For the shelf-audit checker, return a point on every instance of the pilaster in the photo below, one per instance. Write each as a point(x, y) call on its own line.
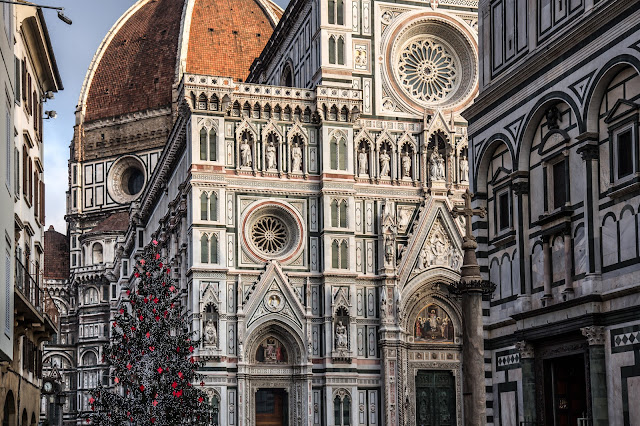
point(597, 374)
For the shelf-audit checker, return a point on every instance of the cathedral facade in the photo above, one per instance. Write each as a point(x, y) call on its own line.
point(298, 169)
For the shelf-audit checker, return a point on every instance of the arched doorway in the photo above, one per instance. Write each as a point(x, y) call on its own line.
point(434, 342)
point(275, 376)
point(9, 417)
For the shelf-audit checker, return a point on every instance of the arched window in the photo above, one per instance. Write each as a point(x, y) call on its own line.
point(214, 248)
point(343, 214)
point(342, 409)
point(204, 249)
point(332, 50)
point(343, 255)
point(203, 144)
point(340, 12)
point(287, 76)
point(213, 206)
point(342, 154)
point(213, 151)
point(203, 206)
point(90, 296)
point(341, 51)
point(96, 254)
point(332, 11)
point(214, 403)
point(89, 359)
point(334, 213)
point(208, 145)
point(333, 153)
point(335, 254)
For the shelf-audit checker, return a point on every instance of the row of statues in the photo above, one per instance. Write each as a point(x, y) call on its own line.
point(385, 163)
point(436, 162)
point(271, 157)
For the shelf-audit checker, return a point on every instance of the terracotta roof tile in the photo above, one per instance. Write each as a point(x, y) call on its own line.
point(114, 222)
point(137, 69)
point(226, 36)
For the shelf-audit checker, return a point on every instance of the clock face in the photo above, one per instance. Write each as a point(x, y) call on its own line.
point(48, 386)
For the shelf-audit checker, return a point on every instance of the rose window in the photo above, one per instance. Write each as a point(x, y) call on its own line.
point(269, 234)
point(427, 70)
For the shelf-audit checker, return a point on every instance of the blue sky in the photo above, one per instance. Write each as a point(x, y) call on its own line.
point(74, 47)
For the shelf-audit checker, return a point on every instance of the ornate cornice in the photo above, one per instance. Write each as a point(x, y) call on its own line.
point(525, 349)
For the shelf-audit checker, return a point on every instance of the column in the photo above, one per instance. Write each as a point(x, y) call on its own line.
point(546, 253)
point(527, 357)
point(590, 155)
point(568, 265)
point(597, 374)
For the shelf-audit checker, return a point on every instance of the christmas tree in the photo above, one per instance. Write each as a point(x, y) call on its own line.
point(151, 357)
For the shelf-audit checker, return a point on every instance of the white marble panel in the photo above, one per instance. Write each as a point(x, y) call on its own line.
point(580, 251)
point(515, 274)
point(609, 242)
point(537, 267)
point(557, 258)
point(505, 277)
point(508, 409)
point(627, 236)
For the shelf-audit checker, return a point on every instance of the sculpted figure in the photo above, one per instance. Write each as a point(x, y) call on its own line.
point(271, 157)
point(296, 155)
point(406, 165)
point(436, 166)
point(388, 249)
point(341, 336)
point(210, 334)
point(363, 162)
point(464, 169)
point(384, 163)
point(245, 154)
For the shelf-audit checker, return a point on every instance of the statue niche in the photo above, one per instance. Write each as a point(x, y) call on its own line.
point(433, 324)
point(341, 330)
point(210, 327)
point(271, 351)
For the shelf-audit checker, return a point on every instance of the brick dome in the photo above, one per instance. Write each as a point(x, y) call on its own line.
point(155, 41)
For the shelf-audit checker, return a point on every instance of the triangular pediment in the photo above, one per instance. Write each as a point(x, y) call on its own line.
point(437, 243)
point(273, 297)
point(248, 126)
point(438, 122)
point(620, 109)
point(271, 127)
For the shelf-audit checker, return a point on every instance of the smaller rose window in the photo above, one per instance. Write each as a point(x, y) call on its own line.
point(269, 234)
point(427, 70)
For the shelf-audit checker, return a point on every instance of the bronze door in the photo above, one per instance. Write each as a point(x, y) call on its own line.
point(435, 398)
point(271, 407)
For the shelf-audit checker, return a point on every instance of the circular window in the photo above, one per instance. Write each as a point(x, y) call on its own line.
point(272, 230)
point(432, 63)
point(269, 234)
point(126, 179)
point(427, 69)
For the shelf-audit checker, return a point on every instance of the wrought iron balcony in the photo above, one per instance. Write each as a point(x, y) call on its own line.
point(33, 301)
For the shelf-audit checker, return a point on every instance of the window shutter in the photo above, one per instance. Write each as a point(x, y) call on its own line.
point(24, 79)
point(42, 202)
point(9, 150)
point(8, 297)
point(25, 159)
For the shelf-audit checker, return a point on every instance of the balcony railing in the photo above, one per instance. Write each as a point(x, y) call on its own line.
point(37, 296)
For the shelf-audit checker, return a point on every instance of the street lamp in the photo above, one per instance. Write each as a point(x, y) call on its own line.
point(60, 10)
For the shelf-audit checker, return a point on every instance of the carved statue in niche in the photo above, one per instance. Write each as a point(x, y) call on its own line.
point(388, 249)
point(341, 336)
point(406, 165)
point(384, 163)
point(271, 157)
point(436, 168)
point(404, 216)
point(363, 162)
point(245, 154)
point(296, 155)
point(272, 351)
point(210, 334)
point(464, 169)
point(433, 325)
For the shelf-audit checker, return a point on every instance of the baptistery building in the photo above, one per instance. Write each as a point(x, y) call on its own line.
point(299, 170)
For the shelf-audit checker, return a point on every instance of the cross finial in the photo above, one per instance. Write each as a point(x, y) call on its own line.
point(468, 212)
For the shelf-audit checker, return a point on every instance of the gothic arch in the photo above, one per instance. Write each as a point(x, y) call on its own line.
point(420, 299)
point(272, 325)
